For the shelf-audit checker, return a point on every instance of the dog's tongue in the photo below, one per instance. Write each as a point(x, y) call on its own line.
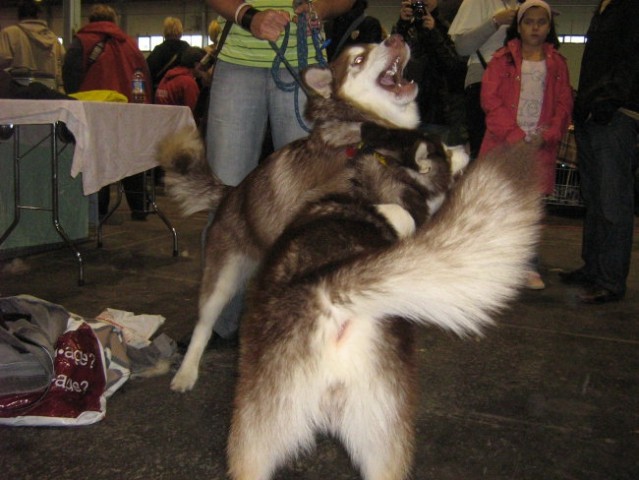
point(392, 76)
point(388, 79)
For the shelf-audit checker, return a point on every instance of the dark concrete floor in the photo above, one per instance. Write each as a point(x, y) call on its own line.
point(552, 392)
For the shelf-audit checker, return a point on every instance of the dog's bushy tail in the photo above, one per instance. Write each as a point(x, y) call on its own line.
point(465, 264)
point(188, 178)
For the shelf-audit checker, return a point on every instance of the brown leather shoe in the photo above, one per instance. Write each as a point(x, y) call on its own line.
point(597, 295)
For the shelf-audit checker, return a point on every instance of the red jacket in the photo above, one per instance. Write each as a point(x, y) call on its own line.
point(178, 87)
point(500, 91)
point(115, 66)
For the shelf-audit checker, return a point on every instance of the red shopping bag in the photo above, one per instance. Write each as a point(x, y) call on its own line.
point(76, 393)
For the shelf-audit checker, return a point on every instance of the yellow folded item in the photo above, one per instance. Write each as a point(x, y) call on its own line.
point(100, 96)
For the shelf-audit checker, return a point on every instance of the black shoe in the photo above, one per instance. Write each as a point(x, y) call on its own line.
point(576, 277)
point(597, 295)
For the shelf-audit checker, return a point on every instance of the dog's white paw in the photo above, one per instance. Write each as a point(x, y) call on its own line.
point(459, 158)
point(398, 217)
point(184, 380)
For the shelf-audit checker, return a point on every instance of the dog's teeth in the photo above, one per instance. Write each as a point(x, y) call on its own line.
point(394, 68)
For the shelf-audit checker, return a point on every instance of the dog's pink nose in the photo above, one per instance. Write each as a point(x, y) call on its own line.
point(394, 40)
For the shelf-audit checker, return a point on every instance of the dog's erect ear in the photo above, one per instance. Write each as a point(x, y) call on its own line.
point(422, 160)
point(319, 80)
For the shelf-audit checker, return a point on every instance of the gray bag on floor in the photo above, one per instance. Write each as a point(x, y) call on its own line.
point(29, 328)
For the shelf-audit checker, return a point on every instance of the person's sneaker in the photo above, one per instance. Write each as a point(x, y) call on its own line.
point(534, 281)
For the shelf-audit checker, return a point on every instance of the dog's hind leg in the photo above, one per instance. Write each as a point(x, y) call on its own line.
point(233, 274)
point(265, 433)
point(377, 431)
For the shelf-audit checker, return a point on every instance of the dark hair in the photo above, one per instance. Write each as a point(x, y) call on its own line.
point(191, 56)
point(513, 32)
point(28, 9)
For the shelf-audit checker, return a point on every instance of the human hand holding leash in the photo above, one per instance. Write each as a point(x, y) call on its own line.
point(268, 24)
point(263, 24)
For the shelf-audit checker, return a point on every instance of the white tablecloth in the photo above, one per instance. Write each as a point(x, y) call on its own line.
point(113, 140)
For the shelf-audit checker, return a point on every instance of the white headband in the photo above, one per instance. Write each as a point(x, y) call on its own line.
point(532, 3)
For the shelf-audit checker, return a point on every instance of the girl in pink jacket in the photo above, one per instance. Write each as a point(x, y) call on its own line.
point(526, 92)
point(526, 89)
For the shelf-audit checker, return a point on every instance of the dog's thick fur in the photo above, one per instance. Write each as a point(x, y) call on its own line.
point(326, 344)
point(408, 168)
point(364, 84)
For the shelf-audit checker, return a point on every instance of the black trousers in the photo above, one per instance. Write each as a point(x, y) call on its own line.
point(475, 118)
point(133, 190)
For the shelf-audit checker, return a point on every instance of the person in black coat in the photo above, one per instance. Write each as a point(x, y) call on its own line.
point(436, 67)
point(606, 117)
point(167, 54)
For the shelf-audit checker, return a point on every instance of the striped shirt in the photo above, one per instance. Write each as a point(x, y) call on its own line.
point(242, 48)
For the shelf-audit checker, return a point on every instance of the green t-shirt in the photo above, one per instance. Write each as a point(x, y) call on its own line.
point(242, 48)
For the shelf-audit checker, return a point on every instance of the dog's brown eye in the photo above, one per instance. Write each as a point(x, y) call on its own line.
point(358, 60)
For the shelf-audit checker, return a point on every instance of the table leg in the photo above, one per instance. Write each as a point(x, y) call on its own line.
point(14, 131)
point(55, 200)
point(9, 131)
point(150, 206)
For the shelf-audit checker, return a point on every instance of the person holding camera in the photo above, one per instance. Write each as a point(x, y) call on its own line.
point(478, 30)
point(436, 67)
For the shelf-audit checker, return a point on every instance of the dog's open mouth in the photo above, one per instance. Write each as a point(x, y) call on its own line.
point(392, 78)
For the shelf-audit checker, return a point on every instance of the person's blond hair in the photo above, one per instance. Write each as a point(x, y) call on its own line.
point(214, 31)
point(173, 28)
point(102, 13)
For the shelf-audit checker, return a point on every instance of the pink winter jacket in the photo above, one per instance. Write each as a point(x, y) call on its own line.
point(500, 91)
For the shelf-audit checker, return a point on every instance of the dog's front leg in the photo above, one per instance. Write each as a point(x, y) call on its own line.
point(215, 294)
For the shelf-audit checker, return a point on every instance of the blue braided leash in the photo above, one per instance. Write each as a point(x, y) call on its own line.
point(302, 58)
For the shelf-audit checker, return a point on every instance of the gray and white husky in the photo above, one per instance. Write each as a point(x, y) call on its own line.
point(364, 84)
point(326, 344)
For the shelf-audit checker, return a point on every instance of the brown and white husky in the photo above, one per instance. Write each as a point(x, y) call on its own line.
point(326, 344)
point(364, 84)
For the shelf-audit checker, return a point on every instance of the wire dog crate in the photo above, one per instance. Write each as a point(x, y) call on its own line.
point(567, 186)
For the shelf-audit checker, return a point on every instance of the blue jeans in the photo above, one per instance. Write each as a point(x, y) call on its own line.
point(242, 101)
point(608, 158)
